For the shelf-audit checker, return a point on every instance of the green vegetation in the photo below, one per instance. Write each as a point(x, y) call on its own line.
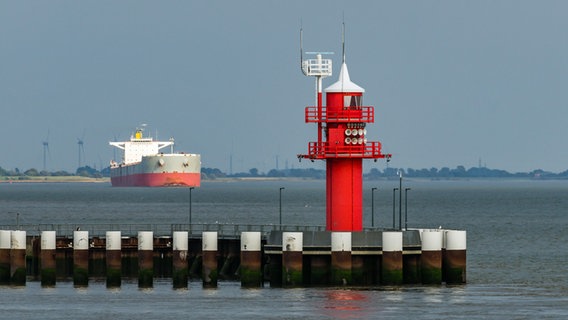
point(376, 174)
point(33, 175)
point(461, 172)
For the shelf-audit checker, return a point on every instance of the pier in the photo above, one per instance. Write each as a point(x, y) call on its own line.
point(255, 255)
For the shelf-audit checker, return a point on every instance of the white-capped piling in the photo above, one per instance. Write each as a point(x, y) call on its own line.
point(251, 259)
point(180, 262)
point(341, 263)
point(145, 259)
point(454, 257)
point(80, 258)
point(292, 256)
point(47, 258)
point(113, 259)
point(18, 258)
point(391, 266)
point(431, 256)
point(5, 256)
point(209, 266)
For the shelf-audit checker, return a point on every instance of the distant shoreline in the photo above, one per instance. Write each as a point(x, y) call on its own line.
point(75, 179)
point(58, 179)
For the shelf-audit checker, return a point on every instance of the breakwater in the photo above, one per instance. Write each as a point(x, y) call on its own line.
point(255, 255)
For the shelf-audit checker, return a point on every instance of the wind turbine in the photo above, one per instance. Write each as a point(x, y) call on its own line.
point(81, 147)
point(45, 151)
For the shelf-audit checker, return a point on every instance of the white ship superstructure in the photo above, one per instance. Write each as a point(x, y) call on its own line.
point(143, 164)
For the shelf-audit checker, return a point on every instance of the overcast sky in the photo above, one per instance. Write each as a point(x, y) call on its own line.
point(453, 82)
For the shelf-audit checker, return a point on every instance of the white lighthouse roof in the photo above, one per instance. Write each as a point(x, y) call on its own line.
point(344, 84)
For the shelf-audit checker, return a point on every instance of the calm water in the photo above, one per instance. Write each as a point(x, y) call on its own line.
point(517, 250)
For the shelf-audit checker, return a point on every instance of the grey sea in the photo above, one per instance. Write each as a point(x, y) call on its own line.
point(517, 255)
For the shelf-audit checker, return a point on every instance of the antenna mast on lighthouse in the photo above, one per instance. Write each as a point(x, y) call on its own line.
point(318, 68)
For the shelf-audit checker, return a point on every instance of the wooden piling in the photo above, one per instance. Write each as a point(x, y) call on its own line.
point(251, 255)
point(5, 257)
point(113, 259)
point(341, 263)
point(431, 257)
point(209, 261)
point(145, 259)
point(47, 259)
point(454, 257)
point(292, 259)
point(18, 258)
point(391, 271)
point(180, 261)
point(81, 258)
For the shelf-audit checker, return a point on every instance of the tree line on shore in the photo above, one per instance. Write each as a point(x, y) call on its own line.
point(310, 173)
point(85, 171)
point(376, 174)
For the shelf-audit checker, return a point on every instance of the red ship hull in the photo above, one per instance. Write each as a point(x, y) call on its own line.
point(157, 180)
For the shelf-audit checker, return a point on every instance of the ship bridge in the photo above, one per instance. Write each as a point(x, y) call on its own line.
point(140, 146)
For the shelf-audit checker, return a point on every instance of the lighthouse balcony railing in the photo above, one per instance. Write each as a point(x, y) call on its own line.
point(324, 150)
point(350, 114)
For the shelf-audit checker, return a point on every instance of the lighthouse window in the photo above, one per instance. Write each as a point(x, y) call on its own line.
point(352, 101)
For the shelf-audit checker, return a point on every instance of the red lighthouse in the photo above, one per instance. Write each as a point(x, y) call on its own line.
point(342, 122)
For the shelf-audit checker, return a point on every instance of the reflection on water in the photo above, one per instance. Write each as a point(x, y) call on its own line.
point(346, 304)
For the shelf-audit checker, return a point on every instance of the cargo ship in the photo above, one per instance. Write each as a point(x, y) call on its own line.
point(144, 165)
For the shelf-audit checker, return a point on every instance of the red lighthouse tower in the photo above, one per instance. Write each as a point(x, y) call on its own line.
point(343, 122)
